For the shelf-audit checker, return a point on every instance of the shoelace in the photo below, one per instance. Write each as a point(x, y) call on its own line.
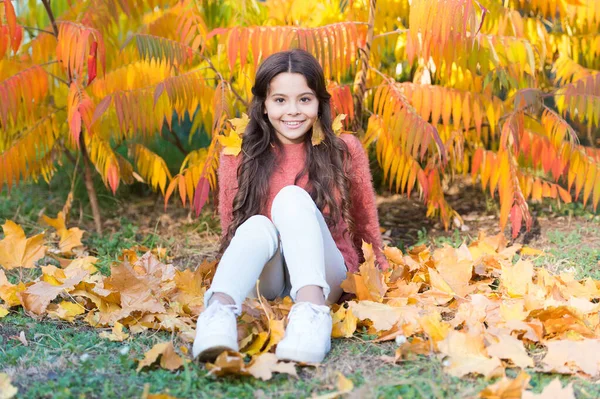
point(305, 312)
point(218, 310)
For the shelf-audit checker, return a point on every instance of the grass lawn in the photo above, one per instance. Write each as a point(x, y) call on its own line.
point(64, 360)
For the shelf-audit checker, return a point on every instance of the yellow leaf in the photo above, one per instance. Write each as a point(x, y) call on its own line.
point(263, 366)
point(3, 312)
point(169, 359)
point(257, 344)
point(239, 124)
point(337, 124)
point(528, 251)
point(434, 327)
point(517, 278)
point(7, 390)
point(232, 143)
point(18, 251)
point(507, 388)
point(67, 311)
point(117, 333)
point(344, 323)
point(276, 333)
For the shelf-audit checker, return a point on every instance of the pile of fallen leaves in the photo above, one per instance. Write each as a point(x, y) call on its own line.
point(471, 306)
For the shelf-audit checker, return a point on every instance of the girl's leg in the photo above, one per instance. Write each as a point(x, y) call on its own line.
point(254, 244)
point(252, 248)
point(316, 268)
point(315, 264)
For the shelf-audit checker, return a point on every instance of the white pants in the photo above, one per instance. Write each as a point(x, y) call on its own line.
point(295, 250)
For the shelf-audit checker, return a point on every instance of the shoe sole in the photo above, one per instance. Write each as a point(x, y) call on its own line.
point(210, 354)
point(296, 355)
point(214, 346)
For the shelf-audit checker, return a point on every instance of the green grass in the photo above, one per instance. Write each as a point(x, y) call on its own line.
point(64, 360)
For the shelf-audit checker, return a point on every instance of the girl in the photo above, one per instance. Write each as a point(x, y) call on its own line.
point(294, 206)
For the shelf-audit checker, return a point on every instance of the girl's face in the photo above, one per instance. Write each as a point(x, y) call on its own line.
point(292, 107)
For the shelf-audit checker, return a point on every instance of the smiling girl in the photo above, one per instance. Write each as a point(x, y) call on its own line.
point(294, 208)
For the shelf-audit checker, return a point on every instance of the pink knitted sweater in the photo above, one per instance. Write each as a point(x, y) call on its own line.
point(364, 209)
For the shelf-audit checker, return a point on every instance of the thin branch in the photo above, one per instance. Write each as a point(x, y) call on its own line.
point(38, 29)
point(51, 16)
point(178, 143)
point(58, 78)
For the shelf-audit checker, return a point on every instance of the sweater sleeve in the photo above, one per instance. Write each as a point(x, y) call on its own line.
point(364, 207)
point(228, 186)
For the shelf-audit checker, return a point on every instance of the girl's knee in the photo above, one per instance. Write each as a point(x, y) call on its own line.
point(258, 223)
point(288, 199)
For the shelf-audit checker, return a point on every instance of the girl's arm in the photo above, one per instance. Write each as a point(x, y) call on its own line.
point(364, 207)
point(228, 185)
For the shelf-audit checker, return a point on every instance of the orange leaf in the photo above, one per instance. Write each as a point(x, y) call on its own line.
point(18, 251)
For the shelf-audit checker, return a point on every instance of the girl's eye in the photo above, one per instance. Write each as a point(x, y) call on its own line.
point(277, 100)
point(305, 99)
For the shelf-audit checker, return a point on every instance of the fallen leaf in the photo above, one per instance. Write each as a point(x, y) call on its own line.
point(466, 354)
point(455, 267)
point(343, 386)
point(3, 311)
point(517, 278)
point(554, 390)
point(344, 323)
point(69, 238)
point(169, 359)
point(7, 390)
point(507, 388)
point(569, 356)
point(117, 334)
point(66, 310)
point(21, 338)
point(263, 366)
point(37, 297)
point(384, 316)
point(18, 251)
point(528, 251)
point(227, 363)
point(509, 347)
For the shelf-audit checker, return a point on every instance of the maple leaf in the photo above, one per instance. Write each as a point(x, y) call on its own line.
point(169, 359)
point(384, 316)
point(566, 356)
point(554, 390)
point(69, 238)
point(38, 296)
point(466, 354)
point(455, 267)
point(117, 334)
point(262, 366)
point(337, 125)
point(344, 323)
point(509, 347)
point(369, 283)
point(137, 292)
point(507, 388)
point(66, 310)
point(517, 278)
point(232, 143)
point(7, 390)
point(239, 124)
point(18, 251)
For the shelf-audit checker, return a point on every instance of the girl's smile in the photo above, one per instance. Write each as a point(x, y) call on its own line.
point(291, 106)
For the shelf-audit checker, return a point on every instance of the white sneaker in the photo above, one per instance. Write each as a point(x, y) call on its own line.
point(216, 331)
point(308, 334)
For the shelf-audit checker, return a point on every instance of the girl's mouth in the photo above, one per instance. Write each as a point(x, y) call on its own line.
point(292, 124)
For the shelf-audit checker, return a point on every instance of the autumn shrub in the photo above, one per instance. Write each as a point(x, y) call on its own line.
point(506, 91)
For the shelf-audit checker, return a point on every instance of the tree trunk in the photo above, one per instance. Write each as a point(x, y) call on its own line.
point(360, 81)
point(89, 185)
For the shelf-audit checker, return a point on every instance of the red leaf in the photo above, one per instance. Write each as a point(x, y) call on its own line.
point(214, 32)
point(92, 62)
point(113, 178)
point(11, 18)
point(201, 195)
point(101, 108)
point(75, 126)
point(160, 88)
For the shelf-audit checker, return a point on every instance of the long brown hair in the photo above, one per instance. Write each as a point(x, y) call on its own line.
point(326, 164)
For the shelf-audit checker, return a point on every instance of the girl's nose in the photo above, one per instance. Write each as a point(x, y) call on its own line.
point(293, 109)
